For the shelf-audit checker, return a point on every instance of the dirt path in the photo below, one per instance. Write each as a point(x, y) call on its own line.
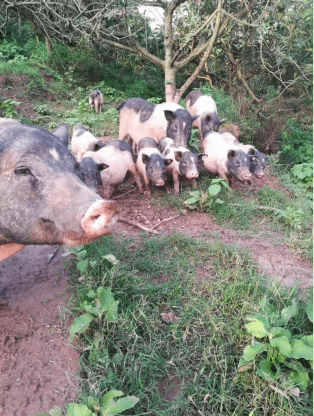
point(37, 367)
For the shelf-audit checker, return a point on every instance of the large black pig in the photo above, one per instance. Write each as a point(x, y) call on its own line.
point(43, 200)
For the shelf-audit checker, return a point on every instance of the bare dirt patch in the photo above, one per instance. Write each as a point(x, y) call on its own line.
point(37, 367)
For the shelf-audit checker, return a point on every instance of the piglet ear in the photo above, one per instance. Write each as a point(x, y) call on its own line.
point(222, 121)
point(145, 159)
point(168, 161)
point(231, 153)
point(170, 115)
point(201, 157)
point(194, 117)
point(102, 166)
point(98, 146)
point(178, 156)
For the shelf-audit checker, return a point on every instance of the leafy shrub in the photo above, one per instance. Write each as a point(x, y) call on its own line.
point(7, 108)
point(288, 356)
point(296, 143)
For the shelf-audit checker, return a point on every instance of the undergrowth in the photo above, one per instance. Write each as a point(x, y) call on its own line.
point(177, 331)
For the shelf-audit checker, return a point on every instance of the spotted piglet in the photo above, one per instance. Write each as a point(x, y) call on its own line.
point(151, 164)
point(185, 163)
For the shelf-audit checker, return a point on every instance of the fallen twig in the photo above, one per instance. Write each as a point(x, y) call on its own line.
point(145, 218)
point(120, 196)
point(137, 224)
point(165, 220)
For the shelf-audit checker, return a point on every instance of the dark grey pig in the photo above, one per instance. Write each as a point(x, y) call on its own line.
point(185, 163)
point(90, 173)
point(257, 163)
point(43, 200)
point(151, 164)
point(139, 118)
point(225, 160)
point(96, 100)
point(205, 107)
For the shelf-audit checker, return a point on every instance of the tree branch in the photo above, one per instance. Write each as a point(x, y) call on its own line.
point(241, 78)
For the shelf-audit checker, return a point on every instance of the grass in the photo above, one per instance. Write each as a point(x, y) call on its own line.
point(201, 350)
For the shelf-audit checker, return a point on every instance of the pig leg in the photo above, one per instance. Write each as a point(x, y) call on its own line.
point(136, 178)
point(176, 182)
point(105, 190)
point(167, 186)
point(96, 105)
point(147, 188)
point(193, 183)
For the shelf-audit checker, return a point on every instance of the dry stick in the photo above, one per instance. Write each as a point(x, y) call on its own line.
point(165, 220)
point(142, 227)
point(120, 196)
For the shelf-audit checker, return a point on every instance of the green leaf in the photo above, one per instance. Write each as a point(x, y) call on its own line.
point(195, 194)
point(81, 254)
point(258, 327)
point(299, 374)
point(82, 266)
point(226, 185)
point(108, 304)
point(308, 340)
point(190, 201)
point(214, 189)
point(219, 201)
point(250, 351)
point(269, 310)
point(309, 310)
point(289, 312)
point(93, 403)
point(112, 259)
point(119, 406)
point(300, 350)
point(79, 325)
point(74, 409)
point(265, 370)
point(109, 396)
point(277, 331)
point(92, 263)
point(282, 343)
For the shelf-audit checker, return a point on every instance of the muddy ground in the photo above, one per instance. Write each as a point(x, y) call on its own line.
point(38, 370)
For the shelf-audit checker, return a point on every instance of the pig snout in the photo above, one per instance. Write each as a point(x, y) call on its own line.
point(99, 219)
point(160, 182)
point(260, 175)
point(192, 175)
point(246, 177)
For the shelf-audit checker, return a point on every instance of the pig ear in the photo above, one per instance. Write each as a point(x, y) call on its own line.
point(178, 156)
point(62, 133)
point(145, 159)
point(170, 115)
point(222, 121)
point(231, 153)
point(201, 157)
point(102, 166)
point(194, 117)
point(98, 146)
point(168, 162)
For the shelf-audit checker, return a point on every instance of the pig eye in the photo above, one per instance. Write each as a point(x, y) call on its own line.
point(22, 171)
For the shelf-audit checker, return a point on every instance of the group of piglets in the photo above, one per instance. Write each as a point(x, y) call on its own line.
point(160, 135)
point(226, 156)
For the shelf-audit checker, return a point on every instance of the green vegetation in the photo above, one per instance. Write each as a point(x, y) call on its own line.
point(175, 329)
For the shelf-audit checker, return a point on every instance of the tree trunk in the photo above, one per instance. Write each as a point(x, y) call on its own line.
point(48, 45)
point(170, 83)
